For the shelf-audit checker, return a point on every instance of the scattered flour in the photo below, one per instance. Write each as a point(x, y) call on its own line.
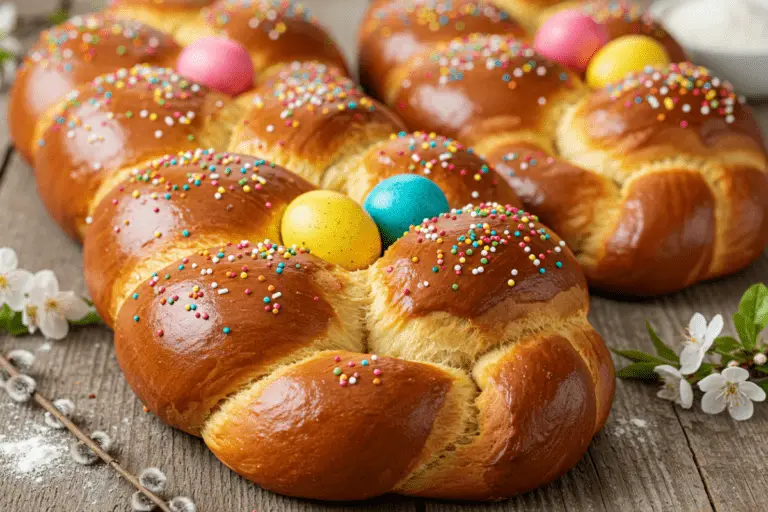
point(31, 455)
point(632, 427)
point(45, 347)
point(28, 449)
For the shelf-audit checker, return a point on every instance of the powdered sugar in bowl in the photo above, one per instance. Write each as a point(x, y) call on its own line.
point(728, 36)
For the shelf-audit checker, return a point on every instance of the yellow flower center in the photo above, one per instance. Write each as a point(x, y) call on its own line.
point(3, 281)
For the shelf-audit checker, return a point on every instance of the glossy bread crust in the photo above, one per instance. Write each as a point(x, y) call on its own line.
point(363, 439)
point(175, 205)
point(311, 121)
point(393, 31)
point(462, 175)
point(71, 55)
point(116, 121)
point(275, 32)
point(185, 346)
point(481, 87)
point(438, 265)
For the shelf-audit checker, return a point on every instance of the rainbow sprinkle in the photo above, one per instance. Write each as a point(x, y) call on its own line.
point(687, 90)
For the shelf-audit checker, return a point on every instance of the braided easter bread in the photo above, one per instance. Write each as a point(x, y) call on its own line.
point(488, 379)
point(657, 182)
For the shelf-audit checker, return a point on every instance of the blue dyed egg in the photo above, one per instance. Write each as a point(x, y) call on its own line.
point(402, 201)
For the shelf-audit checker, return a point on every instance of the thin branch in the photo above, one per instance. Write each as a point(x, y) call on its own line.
point(85, 438)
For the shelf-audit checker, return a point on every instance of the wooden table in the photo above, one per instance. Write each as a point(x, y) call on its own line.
point(650, 456)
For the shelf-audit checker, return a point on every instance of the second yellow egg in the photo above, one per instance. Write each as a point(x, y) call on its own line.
point(333, 227)
point(622, 56)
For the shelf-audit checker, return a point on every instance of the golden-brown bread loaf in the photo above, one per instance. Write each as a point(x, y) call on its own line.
point(663, 181)
point(251, 345)
point(657, 182)
point(282, 356)
point(396, 30)
point(72, 54)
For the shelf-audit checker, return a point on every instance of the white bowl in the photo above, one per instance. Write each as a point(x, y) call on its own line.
point(746, 69)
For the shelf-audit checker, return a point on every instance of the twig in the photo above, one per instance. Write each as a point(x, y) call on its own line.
point(85, 438)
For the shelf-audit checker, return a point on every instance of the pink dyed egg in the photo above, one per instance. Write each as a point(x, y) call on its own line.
point(570, 38)
point(219, 63)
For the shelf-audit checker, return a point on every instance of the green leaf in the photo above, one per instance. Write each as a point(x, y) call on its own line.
point(15, 327)
point(639, 357)
point(746, 329)
point(754, 304)
point(763, 384)
point(752, 316)
point(5, 317)
point(643, 371)
point(762, 369)
point(727, 344)
point(662, 348)
point(92, 318)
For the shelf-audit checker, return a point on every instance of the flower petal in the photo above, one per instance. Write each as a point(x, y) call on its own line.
point(668, 393)
point(697, 327)
point(665, 370)
point(741, 408)
point(753, 391)
point(714, 329)
point(29, 321)
point(712, 382)
point(8, 260)
point(690, 358)
point(713, 402)
point(8, 17)
point(686, 394)
point(19, 282)
point(46, 280)
point(53, 325)
point(735, 374)
point(72, 306)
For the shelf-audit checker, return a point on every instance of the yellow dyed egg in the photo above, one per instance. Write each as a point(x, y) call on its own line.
point(622, 56)
point(333, 227)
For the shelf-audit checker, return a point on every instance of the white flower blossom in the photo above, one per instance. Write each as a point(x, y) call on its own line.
point(730, 389)
point(676, 387)
point(8, 44)
point(14, 283)
point(700, 338)
point(49, 309)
